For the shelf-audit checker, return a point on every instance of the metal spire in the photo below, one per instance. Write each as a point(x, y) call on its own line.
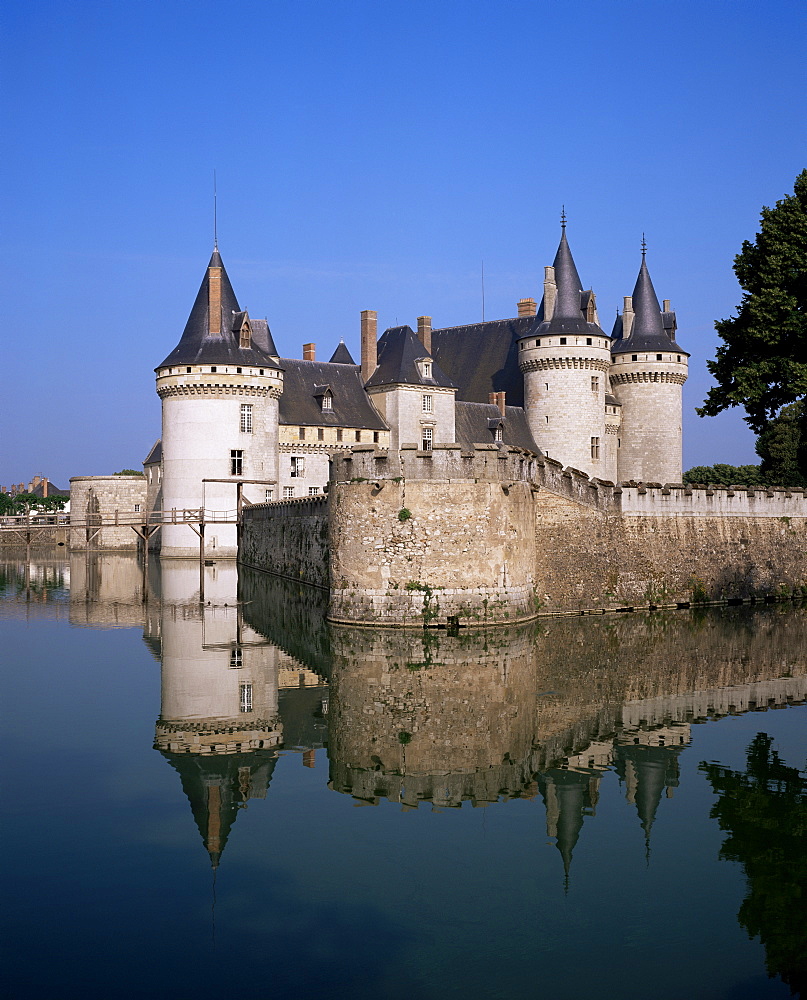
point(644, 246)
point(563, 217)
point(215, 215)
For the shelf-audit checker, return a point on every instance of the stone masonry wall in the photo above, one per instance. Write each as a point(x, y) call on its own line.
point(289, 539)
point(407, 552)
point(102, 500)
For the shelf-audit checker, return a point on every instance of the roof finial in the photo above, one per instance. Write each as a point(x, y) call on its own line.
point(563, 217)
point(215, 215)
point(644, 246)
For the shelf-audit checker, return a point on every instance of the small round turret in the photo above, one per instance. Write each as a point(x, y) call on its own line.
point(648, 371)
point(565, 359)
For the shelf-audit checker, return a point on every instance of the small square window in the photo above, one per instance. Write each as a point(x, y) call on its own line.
point(634, 357)
point(313, 491)
point(260, 371)
point(658, 357)
point(288, 492)
point(588, 341)
point(238, 371)
point(213, 368)
point(188, 370)
point(137, 508)
point(563, 340)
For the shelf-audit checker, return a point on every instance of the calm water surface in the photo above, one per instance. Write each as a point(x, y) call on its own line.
point(234, 798)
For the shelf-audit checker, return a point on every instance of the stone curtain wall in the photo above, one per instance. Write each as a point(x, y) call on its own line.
point(289, 539)
point(589, 560)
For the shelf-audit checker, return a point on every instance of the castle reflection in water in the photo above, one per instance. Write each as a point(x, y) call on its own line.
point(415, 717)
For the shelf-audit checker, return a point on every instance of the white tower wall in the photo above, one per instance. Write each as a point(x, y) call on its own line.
point(649, 390)
point(202, 426)
point(565, 381)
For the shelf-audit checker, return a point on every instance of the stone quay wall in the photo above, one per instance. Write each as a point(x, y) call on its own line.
point(288, 538)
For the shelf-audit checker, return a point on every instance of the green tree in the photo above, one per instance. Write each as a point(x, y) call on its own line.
point(762, 363)
point(724, 475)
point(779, 445)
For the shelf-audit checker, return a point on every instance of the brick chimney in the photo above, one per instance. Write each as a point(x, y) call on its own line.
point(425, 332)
point(214, 299)
point(369, 343)
point(497, 399)
point(309, 352)
point(527, 307)
point(666, 306)
point(44, 487)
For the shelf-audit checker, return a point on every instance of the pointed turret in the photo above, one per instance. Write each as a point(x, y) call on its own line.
point(646, 331)
point(565, 359)
point(217, 331)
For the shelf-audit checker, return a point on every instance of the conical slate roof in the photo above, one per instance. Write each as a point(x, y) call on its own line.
point(341, 356)
point(205, 342)
point(399, 350)
point(567, 316)
point(647, 332)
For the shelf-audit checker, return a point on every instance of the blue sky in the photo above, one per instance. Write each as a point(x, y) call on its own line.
point(369, 155)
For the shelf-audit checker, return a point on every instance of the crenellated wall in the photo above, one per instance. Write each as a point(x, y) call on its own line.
point(495, 534)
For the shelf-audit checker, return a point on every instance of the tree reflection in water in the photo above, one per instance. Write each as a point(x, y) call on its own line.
point(764, 814)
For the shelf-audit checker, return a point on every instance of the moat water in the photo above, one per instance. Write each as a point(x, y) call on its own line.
point(230, 797)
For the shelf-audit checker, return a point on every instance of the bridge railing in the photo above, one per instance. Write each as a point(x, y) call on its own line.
point(121, 518)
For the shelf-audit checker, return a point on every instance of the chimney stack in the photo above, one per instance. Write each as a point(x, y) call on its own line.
point(214, 300)
point(369, 343)
point(627, 316)
point(44, 488)
point(666, 307)
point(425, 332)
point(550, 292)
point(527, 307)
point(309, 352)
point(497, 399)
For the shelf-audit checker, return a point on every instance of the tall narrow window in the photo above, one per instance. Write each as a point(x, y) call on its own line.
point(236, 659)
point(358, 435)
point(338, 433)
point(595, 383)
point(301, 433)
point(246, 418)
point(246, 697)
point(427, 439)
point(297, 467)
point(498, 434)
point(236, 462)
point(320, 433)
point(327, 401)
point(595, 447)
point(427, 404)
point(270, 494)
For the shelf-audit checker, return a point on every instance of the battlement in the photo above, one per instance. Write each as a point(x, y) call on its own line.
point(654, 499)
point(291, 507)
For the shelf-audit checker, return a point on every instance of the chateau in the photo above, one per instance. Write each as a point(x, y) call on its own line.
point(238, 417)
point(488, 472)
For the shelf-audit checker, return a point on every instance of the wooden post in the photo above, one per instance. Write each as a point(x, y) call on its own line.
point(201, 562)
point(145, 564)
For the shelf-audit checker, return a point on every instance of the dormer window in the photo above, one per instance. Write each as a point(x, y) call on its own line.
point(426, 369)
point(498, 434)
point(327, 401)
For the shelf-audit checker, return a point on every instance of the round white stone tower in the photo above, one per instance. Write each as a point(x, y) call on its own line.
point(647, 374)
point(565, 360)
point(219, 389)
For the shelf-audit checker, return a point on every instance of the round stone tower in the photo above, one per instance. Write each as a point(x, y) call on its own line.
point(565, 359)
point(647, 374)
point(219, 389)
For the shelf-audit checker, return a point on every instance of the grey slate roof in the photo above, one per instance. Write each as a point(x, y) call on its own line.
point(198, 346)
point(398, 351)
point(303, 386)
point(648, 332)
point(341, 356)
point(569, 315)
point(483, 357)
point(262, 336)
point(476, 424)
point(156, 453)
